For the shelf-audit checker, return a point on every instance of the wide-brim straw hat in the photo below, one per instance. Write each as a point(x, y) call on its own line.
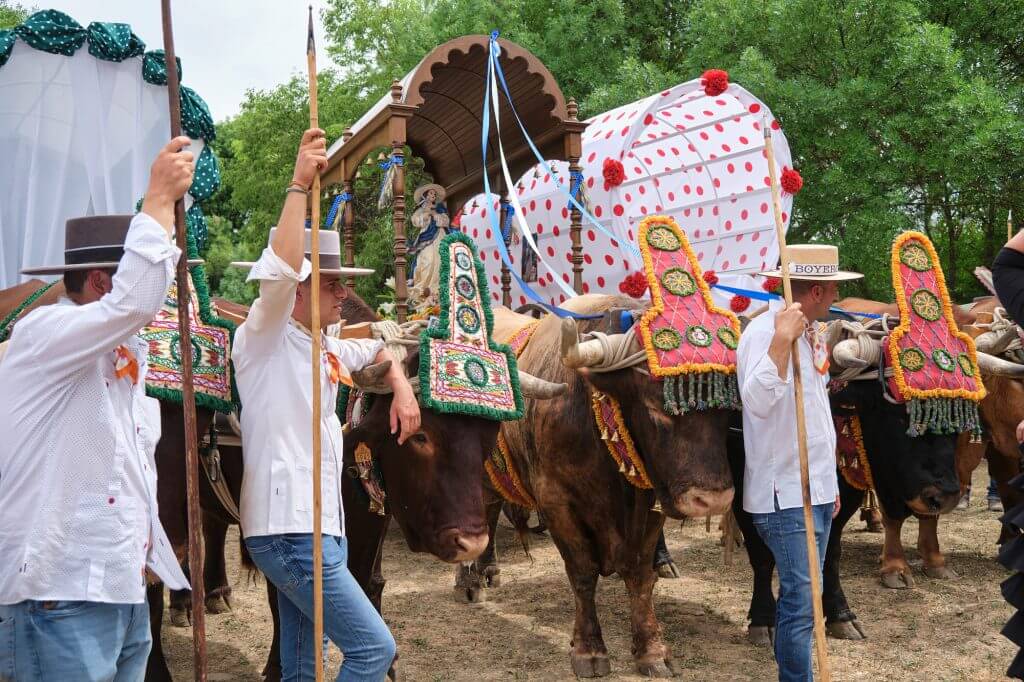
point(92, 243)
point(814, 262)
point(417, 196)
point(330, 254)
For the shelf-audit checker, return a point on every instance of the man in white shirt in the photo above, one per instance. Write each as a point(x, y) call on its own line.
point(79, 523)
point(272, 355)
point(772, 491)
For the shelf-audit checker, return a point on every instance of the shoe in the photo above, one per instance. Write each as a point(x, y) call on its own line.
point(964, 502)
point(995, 505)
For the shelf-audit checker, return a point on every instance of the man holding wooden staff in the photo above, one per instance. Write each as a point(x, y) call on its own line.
point(272, 367)
point(771, 484)
point(79, 524)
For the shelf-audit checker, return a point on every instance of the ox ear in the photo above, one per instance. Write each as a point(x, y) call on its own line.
point(372, 377)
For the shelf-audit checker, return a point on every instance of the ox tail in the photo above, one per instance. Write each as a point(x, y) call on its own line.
point(251, 572)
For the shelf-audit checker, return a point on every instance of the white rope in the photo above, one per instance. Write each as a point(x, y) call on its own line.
point(616, 352)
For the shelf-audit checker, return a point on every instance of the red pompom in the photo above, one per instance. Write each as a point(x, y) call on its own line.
point(634, 285)
point(715, 82)
point(711, 278)
point(771, 283)
point(613, 173)
point(791, 181)
point(739, 303)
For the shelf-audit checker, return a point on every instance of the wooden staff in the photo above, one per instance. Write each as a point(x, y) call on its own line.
point(801, 421)
point(188, 397)
point(1009, 225)
point(314, 254)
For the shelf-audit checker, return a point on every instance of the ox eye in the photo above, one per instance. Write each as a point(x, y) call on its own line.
point(419, 438)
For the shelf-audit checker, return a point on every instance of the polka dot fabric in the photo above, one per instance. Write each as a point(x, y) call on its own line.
point(113, 42)
point(154, 67)
point(52, 31)
point(696, 158)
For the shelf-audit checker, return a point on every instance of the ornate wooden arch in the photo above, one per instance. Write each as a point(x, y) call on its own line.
point(437, 111)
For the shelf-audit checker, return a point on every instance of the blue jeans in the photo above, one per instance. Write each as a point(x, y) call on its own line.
point(783, 532)
point(350, 620)
point(74, 640)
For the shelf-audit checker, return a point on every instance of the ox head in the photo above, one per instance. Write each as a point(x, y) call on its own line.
point(684, 455)
point(434, 480)
point(910, 473)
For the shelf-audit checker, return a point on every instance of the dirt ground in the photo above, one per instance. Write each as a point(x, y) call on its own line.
point(942, 630)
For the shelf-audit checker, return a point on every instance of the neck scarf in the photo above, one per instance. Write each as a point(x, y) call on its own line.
point(815, 335)
point(336, 372)
point(125, 364)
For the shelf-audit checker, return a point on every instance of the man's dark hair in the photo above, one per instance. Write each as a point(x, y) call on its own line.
point(74, 280)
point(802, 287)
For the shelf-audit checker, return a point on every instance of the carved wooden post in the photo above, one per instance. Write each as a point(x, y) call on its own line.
point(506, 277)
point(574, 149)
point(348, 218)
point(398, 210)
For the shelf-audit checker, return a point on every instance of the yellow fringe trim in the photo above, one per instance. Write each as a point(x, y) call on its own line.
point(636, 473)
point(908, 393)
point(862, 453)
point(658, 302)
point(526, 500)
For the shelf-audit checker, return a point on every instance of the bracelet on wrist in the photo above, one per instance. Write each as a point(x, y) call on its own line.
point(292, 189)
point(299, 185)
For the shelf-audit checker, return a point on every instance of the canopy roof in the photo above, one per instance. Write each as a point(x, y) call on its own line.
point(436, 110)
point(696, 157)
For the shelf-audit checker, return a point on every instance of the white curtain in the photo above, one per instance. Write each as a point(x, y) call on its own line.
point(77, 137)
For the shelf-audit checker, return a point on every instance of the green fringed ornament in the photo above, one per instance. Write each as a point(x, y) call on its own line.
point(710, 390)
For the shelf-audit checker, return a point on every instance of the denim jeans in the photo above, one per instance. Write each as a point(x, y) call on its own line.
point(74, 640)
point(350, 620)
point(783, 532)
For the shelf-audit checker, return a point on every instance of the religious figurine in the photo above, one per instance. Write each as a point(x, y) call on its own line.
point(431, 222)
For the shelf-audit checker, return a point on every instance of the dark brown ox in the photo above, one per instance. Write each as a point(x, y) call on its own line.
point(433, 484)
point(599, 522)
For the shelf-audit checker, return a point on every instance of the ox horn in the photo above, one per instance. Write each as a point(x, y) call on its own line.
point(539, 389)
point(990, 364)
point(576, 354)
point(371, 377)
point(850, 354)
point(995, 343)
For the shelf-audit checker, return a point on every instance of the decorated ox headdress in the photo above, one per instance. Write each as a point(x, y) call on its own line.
point(934, 364)
point(462, 370)
point(689, 342)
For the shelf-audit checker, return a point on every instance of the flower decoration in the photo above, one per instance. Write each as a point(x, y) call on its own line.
point(771, 283)
point(710, 277)
point(634, 285)
point(739, 303)
point(715, 82)
point(614, 173)
point(791, 181)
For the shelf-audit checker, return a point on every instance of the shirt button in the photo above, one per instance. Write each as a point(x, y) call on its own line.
point(110, 500)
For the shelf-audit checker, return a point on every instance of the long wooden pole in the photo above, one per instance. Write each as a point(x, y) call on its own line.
point(318, 559)
point(188, 398)
point(1009, 225)
point(820, 646)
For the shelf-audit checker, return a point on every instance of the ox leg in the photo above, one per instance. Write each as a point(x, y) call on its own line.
point(181, 605)
point(652, 656)
point(215, 577)
point(895, 573)
point(663, 564)
point(840, 620)
point(473, 578)
point(156, 666)
point(272, 669)
point(589, 656)
point(928, 547)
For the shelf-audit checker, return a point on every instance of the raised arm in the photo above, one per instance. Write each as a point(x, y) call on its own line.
point(767, 362)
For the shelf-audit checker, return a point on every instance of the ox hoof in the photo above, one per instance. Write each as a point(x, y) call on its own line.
point(940, 572)
point(668, 571)
point(180, 618)
point(761, 635)
point(655, 666)
point(590, 665)
point(492, 576)
point(898, 580)
point(471, 595)
point(848, 629)
point(218, 603)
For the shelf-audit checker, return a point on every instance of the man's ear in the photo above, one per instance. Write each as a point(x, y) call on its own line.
point(100, 282)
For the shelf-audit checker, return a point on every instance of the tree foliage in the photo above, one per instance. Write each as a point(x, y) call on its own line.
point(12, 14)
point(901, 114)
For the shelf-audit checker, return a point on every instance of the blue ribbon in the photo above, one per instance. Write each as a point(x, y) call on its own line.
point(386, 165)
point(575, 183)
point(573, 203)
point(767, 296)
point(332, 212)
point(485, 131)
point(506, 229)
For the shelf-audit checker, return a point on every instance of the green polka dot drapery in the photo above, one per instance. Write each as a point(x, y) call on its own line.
point(56, 33)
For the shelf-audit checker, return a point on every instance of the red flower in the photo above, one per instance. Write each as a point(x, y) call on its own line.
point(711, 278)
point(791, 181)
point(771, 283)
point(739, 303)
point(715, 82)
point(634, 285)
point(613, 173)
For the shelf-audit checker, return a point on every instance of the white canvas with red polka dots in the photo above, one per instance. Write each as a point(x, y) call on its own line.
point(697, 158)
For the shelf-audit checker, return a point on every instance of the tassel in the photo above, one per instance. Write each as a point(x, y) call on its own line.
point(668, 391)
point(622, 467)
point(604, 433)
point(632, 471)
point(657, 507)
point(615, 436)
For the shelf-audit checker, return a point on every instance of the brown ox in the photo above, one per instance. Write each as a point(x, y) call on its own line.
point(599, 522)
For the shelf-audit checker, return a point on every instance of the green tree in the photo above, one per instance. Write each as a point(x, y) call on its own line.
point(12, 14)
